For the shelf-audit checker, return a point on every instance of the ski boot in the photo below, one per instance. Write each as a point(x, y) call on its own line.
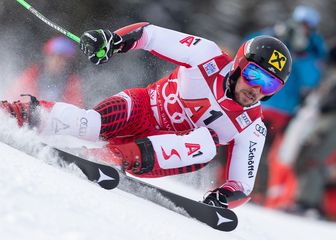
point(25, 113)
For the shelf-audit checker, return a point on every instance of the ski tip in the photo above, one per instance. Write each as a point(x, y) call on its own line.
point(108, 184)
point(227, 220)
point(108, 178)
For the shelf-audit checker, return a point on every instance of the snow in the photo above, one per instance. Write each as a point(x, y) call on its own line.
point(39, 200)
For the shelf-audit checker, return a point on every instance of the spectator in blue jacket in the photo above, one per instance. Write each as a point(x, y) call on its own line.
point(308, 50)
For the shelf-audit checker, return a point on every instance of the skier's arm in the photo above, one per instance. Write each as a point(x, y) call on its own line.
point(180, 48)
point(243, 160)
point(92, 42)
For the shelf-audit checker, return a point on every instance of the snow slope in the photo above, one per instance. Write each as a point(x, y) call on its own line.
point(39, 200)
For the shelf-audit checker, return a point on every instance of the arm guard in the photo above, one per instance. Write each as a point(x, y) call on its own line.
point(130, 35)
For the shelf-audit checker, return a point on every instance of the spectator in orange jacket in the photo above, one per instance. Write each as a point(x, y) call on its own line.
point(53, 77)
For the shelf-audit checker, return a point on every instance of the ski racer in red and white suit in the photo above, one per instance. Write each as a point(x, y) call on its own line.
point(174, 125)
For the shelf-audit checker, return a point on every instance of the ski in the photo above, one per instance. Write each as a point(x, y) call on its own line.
point(105, 176)
point(218, 218)
point(108, 177)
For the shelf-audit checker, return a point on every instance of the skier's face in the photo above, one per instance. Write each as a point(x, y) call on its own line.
point(247, 95)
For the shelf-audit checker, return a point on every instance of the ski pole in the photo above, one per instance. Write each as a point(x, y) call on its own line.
point(101, 53)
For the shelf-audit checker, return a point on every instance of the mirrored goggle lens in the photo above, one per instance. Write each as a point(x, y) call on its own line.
point(256, 76)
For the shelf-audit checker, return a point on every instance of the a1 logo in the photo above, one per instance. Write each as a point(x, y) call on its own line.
point(190, 40)
point(199, 107)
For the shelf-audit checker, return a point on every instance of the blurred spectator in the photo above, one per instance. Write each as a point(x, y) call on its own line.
point(316, 161)
point(276, 182)
point(52, 78)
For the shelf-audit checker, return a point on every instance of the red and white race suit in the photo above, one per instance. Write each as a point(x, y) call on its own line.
point(192, 99)
point(194, 96)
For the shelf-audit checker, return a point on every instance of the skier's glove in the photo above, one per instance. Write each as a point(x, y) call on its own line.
point(100, 45)
point(217, 197)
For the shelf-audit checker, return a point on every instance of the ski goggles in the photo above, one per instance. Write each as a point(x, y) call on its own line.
point(257, 76)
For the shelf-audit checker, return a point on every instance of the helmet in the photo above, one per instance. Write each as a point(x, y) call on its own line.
point(267, 52)
point(307, 15)
point(60, 46)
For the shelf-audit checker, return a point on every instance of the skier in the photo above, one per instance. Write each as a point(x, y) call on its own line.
point(174, 125)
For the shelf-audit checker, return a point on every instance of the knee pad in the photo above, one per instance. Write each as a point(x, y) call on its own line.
point(67, 119)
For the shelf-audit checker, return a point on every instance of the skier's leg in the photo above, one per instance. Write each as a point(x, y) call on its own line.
point(55, 118)
point(124, 114)
point(127, 113)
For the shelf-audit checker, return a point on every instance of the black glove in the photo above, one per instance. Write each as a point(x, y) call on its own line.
point(99, 45)
point(217, 197)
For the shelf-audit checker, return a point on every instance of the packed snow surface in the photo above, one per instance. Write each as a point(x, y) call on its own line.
point(39, 200)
